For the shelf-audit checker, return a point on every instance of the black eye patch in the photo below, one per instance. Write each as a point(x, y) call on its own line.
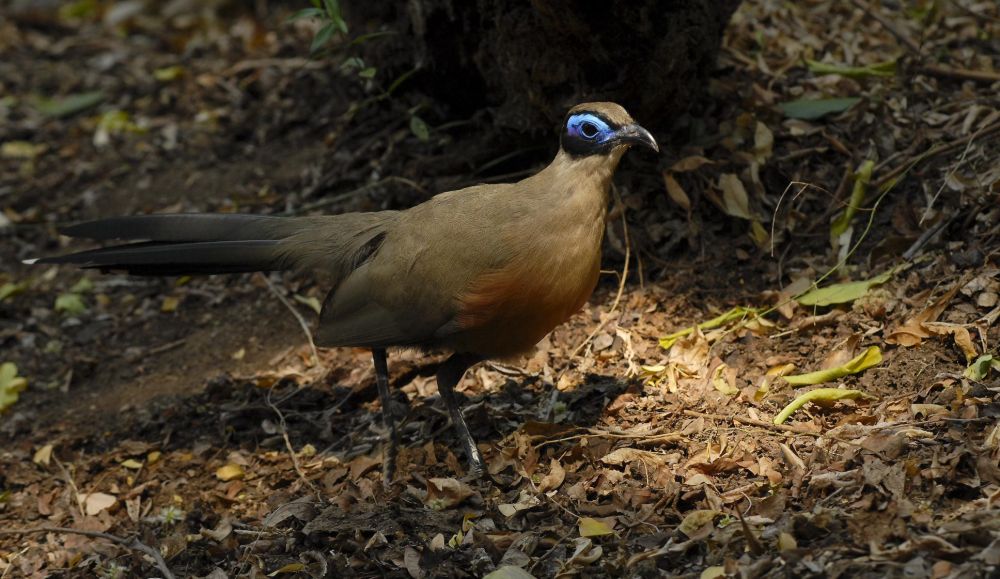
point(588, 133)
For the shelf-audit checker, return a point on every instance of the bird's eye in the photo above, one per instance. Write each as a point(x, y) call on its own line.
point(588, 130)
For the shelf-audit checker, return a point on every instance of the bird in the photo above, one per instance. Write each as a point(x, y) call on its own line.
point(483, 272)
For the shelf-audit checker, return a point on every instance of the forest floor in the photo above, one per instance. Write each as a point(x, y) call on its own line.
point(189, 416)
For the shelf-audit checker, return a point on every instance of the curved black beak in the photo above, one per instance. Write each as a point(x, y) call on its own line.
point(636, 135)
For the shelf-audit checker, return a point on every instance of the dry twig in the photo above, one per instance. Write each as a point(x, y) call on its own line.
point(621, 285)
point(941, 71)
point(133, 543)
point(298, 317)
point(899, 34)
point(752, 422)
point(288, 443)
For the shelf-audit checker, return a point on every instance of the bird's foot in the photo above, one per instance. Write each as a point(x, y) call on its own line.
point(388, 470)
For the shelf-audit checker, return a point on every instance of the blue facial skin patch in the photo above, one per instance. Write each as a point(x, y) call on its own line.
point(589, 127)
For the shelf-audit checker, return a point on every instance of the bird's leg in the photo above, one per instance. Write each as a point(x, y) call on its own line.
point(388, 418)
point(448, 375)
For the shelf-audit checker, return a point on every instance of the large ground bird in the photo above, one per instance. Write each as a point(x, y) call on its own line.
point(483, 272)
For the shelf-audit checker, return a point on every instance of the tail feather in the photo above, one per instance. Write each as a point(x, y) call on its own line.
point(182, 227)
point(206, 243)
point(178, 258)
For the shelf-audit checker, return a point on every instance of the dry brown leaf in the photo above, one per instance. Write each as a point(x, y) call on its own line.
point(97, 502)
point(959, 333)
point(734, 196)
point(724, 380)
point(842, 355)
point(791, 458)
point(43, 455)
point(230, 471)
point(786, 542)
point(691, 352)
point(696, 521)
point(555, 478)
point(763, 142)
point(524, 502)
point(689, 164)
point(362, 464)
point(411, 562)
point(676, 192)
point(444, 493)
point(622, 456)
point(912, 332)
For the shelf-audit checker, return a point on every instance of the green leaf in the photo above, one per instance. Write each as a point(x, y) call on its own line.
point(737, 313)
point(289, 568)
point(168, 73)
point(10, 289)
point(842, 293)
point(419, 128)
point(332, 8)
point(372, 36)
point(353, 62)
point(870, 357)
point(322, 37)
point(21, 150)
point(882, 69)
point(817, 395)
point(367, 72)
point(70, 105)
point(400, 80)
point(980, 369)
point(861, 179)
point(82, 286)
point(79, 10)
point(810, 109)
point(118, 122)
point(10, 385)
point(70, 303)
point(305, 13)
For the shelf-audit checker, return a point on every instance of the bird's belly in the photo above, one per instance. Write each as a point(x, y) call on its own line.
point(508, 311)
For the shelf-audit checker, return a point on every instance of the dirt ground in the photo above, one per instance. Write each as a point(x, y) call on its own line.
point(188, 417)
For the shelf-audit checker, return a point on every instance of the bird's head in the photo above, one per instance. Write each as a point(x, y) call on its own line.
point(602, 128)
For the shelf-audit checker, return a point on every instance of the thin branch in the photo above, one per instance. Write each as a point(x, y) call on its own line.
point(288, 442)
point(926, 236)
point(973, 13)
point(935, 151)
point(889, 26)
point(133, 543)
point(621, 286)
point(752, 422)
point(939, 70)
point(295, 312)
point(951, 172)
point(72, 485)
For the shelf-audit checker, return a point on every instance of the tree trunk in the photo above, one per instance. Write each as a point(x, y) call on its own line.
point(530, 61)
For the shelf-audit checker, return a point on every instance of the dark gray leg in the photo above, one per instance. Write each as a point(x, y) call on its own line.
point(448, 375)
point(388, 418)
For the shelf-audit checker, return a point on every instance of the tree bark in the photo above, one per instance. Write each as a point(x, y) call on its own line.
point(530, 61)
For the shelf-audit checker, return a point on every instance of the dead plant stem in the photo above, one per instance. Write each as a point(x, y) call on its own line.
point(134, 543)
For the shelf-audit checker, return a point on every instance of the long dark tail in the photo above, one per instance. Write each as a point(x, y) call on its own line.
point(205, 243)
